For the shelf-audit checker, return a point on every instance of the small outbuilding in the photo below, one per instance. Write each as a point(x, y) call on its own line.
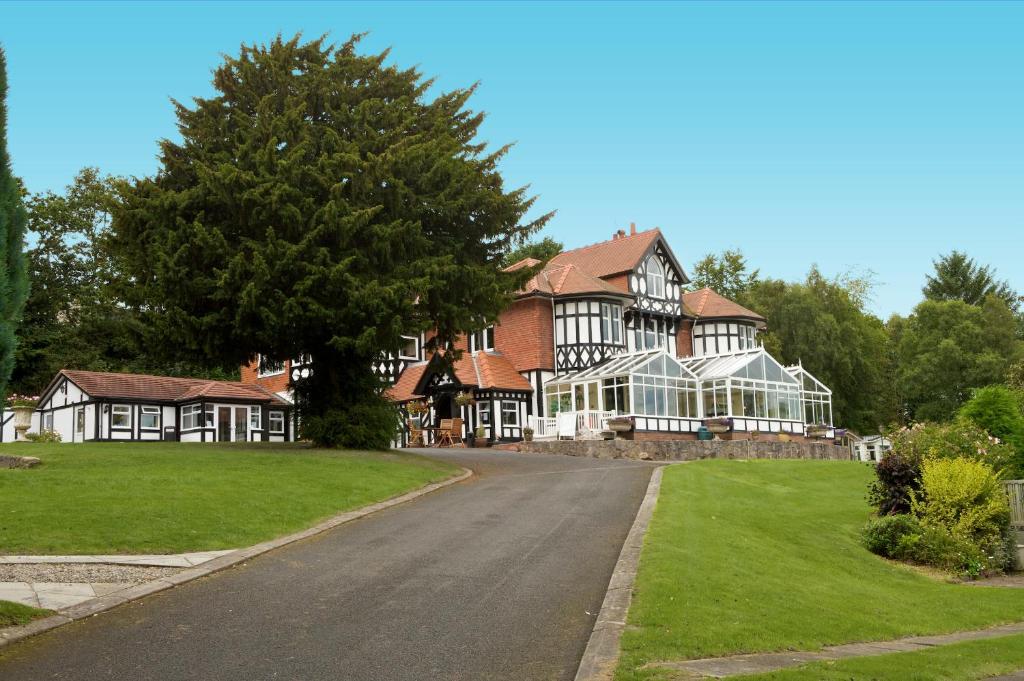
point(92, 406)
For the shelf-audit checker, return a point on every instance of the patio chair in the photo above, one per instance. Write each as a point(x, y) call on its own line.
point(455, 435)
point(444, 433)
point(415, 433)
point(565, 425)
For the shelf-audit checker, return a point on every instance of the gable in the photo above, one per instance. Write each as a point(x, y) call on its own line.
point(675, 279)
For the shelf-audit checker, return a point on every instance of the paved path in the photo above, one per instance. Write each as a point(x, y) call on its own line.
point(500, 577)
point(735, 665)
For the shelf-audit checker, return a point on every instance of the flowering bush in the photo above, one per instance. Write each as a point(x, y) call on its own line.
point(22, 401)
point(959, 438)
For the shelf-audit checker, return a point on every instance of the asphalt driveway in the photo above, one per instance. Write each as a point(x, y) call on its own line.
point(499, 577)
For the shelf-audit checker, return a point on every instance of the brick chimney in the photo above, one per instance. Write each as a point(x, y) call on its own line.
point(632, 228)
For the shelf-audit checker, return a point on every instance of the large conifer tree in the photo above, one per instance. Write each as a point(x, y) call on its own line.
point(322, 204)
point(13, 278)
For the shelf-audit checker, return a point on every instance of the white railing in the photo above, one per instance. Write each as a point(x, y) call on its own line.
point(546, 427)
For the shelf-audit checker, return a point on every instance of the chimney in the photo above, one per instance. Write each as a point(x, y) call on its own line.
point(632, 228)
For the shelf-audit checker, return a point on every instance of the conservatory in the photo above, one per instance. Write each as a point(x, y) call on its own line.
point(654, 387)
point(752, 388)
point(815, 396)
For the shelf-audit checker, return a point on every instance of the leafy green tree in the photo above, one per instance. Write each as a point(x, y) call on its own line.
point(321, 204)
point(726, 274)
point(824, 325)
point(1015, 376)
point(13, 278)
point(947, 348)
point(959, 277)
point(542, 250)
point(996, 408)
point(73, 317)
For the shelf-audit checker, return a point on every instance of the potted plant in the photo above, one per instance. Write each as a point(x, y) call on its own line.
point(481, 436)
point(416, 408)
point(718, 424)
point(755, 435)
point(22, 406)
point(528, 434)
point(621, 424)
point(817, 430)
point(464, 399)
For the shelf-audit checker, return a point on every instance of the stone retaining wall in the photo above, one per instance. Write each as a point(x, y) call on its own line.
point(689, 450)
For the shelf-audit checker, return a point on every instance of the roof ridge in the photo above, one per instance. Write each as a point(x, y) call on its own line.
point(608, 241)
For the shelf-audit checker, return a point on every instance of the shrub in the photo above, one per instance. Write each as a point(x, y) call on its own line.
point(368, 425)
point(965, 499)
point(899, 474)
point(936, 547)
point(883, 535)
point(45, 436)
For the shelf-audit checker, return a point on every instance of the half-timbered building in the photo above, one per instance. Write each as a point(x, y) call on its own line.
point(604, 330)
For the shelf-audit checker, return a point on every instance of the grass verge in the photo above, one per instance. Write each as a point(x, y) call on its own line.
point(958, 662)
point(177, 497)
point(765, 556)
point(12, 614)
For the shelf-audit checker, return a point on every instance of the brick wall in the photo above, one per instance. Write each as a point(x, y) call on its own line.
point(275, 384)
point(684, 338)
point(525, 334)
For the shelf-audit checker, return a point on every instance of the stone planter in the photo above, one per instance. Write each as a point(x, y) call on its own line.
point(817, 431)
point(718, 427)
point(620, 425)
point(22, 421)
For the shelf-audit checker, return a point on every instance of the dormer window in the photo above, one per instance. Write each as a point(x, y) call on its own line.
point(482, 340)
point(269, 367)
point(655, 278)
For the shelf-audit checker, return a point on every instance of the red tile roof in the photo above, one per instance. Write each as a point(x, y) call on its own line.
point(706, 304)
point(621, 254)
point(568, 279)
point(525, 262)
point(107, 385)
point(482, 370)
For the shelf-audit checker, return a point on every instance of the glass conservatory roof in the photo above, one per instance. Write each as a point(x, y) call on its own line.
point(807, 381)
point(649, 362)
point(753, 364)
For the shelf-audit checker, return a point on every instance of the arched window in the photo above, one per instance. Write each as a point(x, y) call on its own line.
point(655, 278)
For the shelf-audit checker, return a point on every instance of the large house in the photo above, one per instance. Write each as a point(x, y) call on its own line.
point(92, 406)
point(605, 330)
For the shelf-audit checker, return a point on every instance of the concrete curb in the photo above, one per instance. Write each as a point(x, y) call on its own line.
point(134, 593)
point(602, 653)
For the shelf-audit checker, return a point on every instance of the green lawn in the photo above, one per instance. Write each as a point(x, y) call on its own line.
point(16, 613)
point(765, 556)
point(177, 497)
point(959, 662)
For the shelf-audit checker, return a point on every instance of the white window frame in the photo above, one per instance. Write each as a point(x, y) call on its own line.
point(148, 410)
point(210, 416)
point(255, 417)
point(416, 348)
point(117, 410)
point(80, 421)
point(48, 421)
point(484, 412)
point(193, 413)
point(505, 411)
point(275, 416)
point(260, 373)
point(482, 340)
point(655, 278)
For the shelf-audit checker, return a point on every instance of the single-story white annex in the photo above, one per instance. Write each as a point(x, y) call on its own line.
point(91, 406)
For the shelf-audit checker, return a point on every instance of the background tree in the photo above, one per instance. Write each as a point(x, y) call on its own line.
point(823, 324)
point(958, 277)
point(996, 409)
point(321, 204)
point(74, 317)
point(13, 279)
point(542, 250)
point(947, 348)
point(726, 274)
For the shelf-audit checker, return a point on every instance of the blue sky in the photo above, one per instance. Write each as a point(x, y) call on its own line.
point(851, 135)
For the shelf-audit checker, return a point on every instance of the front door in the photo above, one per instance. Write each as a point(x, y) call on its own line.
point(241, 424)
point(232, 424)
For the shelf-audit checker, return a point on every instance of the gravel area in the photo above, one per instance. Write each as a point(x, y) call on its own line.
point(77, 572)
